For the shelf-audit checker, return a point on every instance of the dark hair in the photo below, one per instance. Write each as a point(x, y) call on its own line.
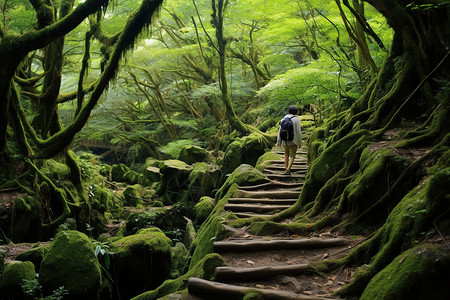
point(293, 110)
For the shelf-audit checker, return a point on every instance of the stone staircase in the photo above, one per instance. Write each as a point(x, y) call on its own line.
point(269, 198)
point(275, 267)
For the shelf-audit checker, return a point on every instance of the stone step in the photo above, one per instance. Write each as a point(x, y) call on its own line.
point(273, 185)
point(216, 290)
point(263, 201)
point(297, 161)
point(258, 208)
point(234, 274)
point(280, 244)
point(245, 215)
point(280, 194)
point(282, 167)
point(285, 177)
point(281, 170)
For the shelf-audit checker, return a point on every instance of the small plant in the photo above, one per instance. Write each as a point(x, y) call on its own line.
point(34, 289)
point(102, 249)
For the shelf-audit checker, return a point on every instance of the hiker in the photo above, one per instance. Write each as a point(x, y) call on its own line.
point(290, 136)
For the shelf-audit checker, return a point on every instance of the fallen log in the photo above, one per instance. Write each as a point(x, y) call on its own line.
point(249, 245)
point(227, 274)
point(217, 290)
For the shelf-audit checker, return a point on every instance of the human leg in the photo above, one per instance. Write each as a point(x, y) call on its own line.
point(292, 151)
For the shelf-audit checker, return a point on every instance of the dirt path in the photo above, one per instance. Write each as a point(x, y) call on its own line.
point(277, 266)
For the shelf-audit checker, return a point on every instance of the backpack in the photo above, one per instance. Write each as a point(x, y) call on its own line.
point(287, 129)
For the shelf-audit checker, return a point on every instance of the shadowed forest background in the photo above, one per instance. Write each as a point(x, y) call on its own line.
point(121, 122)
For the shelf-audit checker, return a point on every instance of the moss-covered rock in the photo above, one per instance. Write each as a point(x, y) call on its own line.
point(244, 150)
point(118, 172)
point(244, 174)
point(419, 273)
point(132, 177)
point(35, 255)
point(264, 160)
point(175, 178)
point(203, 180)
point(26, 223)
point(133, 195)
point(203, 209)
point(142, 261)
point(179, 259)
point(152, 174)
point(11, 280)
point(191, 154)
point(71, 262)
point(202, 269)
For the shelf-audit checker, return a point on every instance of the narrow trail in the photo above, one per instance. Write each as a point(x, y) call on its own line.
point(279, 267)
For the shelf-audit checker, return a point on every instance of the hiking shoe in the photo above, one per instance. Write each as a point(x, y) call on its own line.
point(287, 172)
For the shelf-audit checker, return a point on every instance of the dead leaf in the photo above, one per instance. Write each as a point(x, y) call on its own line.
point(325, 255)
point(250, 262)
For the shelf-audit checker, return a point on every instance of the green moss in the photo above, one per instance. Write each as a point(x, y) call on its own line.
point(406, 225)
point(377, 173)
point(16, 271)
point(179, 259)
point(203, 209)
point(191, 154)
point(244, 174)
point(327, 165)
point(118, 172)
point(204, 269)
point(143, 260)
point(418, 273)
point(203, 180)
point(34, 255)
point(133, 195)
point(26, 223)
point(263, 160)
point(272, 228)
point(71, 262)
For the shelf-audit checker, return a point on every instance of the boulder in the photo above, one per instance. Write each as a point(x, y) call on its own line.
point(175, 177)
point(203, 209)
point(142, 261)
point(35, 255)
point(244, 174)
point(11, 280)
point(203, 180)
point(191, 154)
point(118, 172)
point(71, 262)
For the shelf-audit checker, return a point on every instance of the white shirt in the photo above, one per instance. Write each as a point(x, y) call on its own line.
point(297, 132)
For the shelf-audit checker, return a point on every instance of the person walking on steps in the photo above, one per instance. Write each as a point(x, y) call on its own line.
point(290, 137)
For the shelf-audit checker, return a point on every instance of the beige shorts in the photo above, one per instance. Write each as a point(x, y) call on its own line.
point(291, 150)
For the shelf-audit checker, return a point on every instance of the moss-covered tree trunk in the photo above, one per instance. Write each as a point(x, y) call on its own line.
point(364, 181)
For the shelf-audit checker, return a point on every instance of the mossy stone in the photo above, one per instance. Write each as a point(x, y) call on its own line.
point(179, 259)
point(35, 255)
point(202, 269)
point(131, 177)
point(264, 160)
point(142, 261)
point(175, 177)
point(203, 209)
point(191, 154)
point(118, 172)
point(27, 220)
point(71, 262)
point(244, 174)
point(419, 273)
point(11, 280)
point(133, 195)
point(203, 180)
